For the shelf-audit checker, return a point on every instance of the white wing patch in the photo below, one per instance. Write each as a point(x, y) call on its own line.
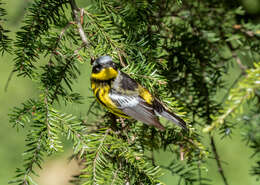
point(124, 101)
point(136, 108)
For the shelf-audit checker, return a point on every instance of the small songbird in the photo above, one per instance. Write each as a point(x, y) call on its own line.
point(126, 98)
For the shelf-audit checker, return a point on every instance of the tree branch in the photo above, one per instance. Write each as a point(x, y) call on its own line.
point(59, 39)
point(79, 21)
point(97, 156)
point(231, 87)
point(234, 55)
point(8, 80)
point(241, 66)
point(220, 169)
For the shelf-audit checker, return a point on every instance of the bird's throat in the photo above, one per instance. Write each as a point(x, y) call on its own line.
point(105, 74)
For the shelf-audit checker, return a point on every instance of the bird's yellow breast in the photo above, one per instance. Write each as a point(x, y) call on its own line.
point(101, 92)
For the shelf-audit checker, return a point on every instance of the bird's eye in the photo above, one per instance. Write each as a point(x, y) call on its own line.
point(96, 68)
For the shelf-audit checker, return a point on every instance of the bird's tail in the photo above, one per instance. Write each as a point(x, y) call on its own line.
point(174, 118)
point(160, 110)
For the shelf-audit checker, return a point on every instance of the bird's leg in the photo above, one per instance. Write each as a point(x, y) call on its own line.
point(123, 123)
point(181, 153)
point(125, 129)
point(114, 121)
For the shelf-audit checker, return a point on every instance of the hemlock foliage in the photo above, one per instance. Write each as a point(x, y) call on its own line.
point(179, 50)
point(4, 39)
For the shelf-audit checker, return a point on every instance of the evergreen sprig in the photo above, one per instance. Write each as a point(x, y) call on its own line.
point(109, 155)
point(28, 43)
point(41, 139)
point(179, 51)
point(238, 96)
point(5, 40)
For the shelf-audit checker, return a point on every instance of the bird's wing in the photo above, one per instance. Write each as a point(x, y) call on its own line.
point(137, 108)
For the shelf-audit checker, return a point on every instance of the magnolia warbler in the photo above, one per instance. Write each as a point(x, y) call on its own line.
point(126, 98)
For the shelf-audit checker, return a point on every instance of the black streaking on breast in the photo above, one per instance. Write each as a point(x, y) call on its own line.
point(128, 83)
point(98, 97)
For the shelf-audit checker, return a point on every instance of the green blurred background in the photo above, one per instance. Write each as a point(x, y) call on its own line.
point(57, 170)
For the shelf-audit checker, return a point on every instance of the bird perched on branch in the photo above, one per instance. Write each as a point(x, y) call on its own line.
point(124, 97)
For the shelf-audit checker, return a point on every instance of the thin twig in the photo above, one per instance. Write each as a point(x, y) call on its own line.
point(248, 33)
point(97, 155)
point(235, 56)
point(59, 39)
point(120, 59)
point(241, 66)
point(220, 169)
point(76, 52)
point(91, 106)
point(115, 176)
point(64, 30)
point(78, 21)
point(153, 158)
point(33, 159)
point(231, 87)
point(199, 172)
point(8, 80)
point(58, 85)
point(149, 77)
point(57, 53)
point(46, 103)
